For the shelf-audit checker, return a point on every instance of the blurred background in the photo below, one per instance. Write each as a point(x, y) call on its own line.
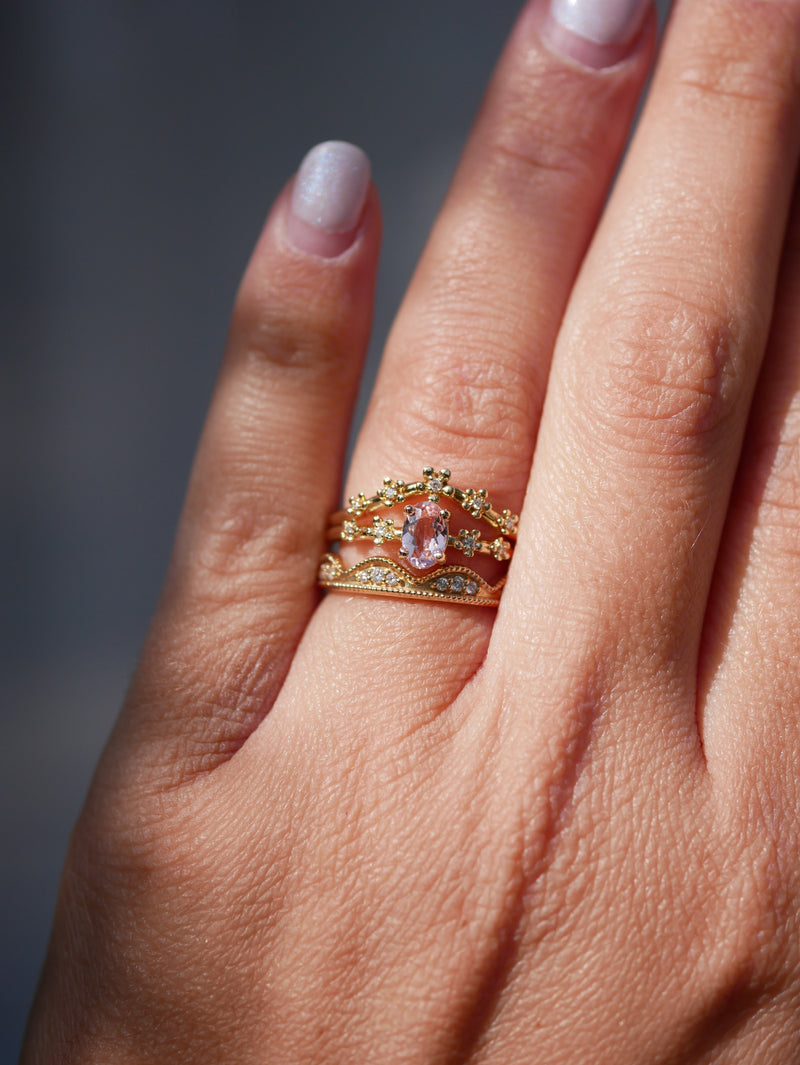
point(142, 144)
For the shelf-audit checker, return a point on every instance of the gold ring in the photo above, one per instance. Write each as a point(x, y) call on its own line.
point(384, 530)
point(424, 538)
point(473, 501)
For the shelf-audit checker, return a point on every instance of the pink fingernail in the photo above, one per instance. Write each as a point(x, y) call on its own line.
point(328, 197)
point(594, 32)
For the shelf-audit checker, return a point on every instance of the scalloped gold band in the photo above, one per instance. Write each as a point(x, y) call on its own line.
point(383, 576)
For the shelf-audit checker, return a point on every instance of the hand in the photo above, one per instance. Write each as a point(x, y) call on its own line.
point(365, 829)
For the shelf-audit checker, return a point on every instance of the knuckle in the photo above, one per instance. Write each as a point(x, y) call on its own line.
point(483, 402)
point(516, 155)
point(226, 669)
point(540, 127)
point(751, 58)
point(670, 378)
point(235, 547)
point(125, 844)
point(302, 321)
point(281, 342)
point(532, 141)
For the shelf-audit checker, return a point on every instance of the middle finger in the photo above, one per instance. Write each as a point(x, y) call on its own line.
point(655, 367)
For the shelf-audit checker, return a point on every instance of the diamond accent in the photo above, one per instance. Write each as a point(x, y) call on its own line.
point(435, 481)
point(501, 549)
point(476, 502)
point(357, 504)
point(382, 529)
point(383, 575)
point(470, 541)
point(509, 522)
point(328, 571)
point(392, 491)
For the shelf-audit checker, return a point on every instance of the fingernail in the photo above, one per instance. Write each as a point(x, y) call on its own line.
point(328, 197)
point(594, 32)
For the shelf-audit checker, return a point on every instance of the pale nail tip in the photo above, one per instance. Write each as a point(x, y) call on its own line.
point(331, 187)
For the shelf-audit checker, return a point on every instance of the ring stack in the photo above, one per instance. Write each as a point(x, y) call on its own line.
point(423, 532)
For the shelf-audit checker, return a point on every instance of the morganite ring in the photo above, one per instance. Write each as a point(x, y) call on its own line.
point(424, 538)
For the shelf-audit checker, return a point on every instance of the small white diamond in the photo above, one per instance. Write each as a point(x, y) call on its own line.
point(364, 576)
point(470, 542)
point(443, 584)
point(501, 549)
point(391, 578)
point(390, 494)
point(435, 484)
point(472, 588)
point(377, 574)
point(459, 584)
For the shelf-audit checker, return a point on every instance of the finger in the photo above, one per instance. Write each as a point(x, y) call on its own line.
point(464, 369)
point(654, 370)
point(749, 677)
point(241, 584)
point(465, 366)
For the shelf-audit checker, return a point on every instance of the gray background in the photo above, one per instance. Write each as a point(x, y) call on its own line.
point(142, 144)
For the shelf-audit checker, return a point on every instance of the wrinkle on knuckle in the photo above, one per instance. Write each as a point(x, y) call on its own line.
point(131, 844)
point(670, 376)
point(232, 676)
point(267, 332)
point(517, 157)
point(530, 137)
point(219, 669)
point(464, 402)
point(756, 62)
point(293, 347)
point(236, 545)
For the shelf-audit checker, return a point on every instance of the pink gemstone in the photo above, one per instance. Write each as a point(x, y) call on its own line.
point(424, 535)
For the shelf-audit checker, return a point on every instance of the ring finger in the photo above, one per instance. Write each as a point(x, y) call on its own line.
point(464, 372)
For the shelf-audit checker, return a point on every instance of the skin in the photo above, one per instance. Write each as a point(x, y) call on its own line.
point(351, 829)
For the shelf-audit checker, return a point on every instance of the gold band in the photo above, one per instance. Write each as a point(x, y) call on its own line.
point(383, 576)
point(473, 501)
point(382, 531)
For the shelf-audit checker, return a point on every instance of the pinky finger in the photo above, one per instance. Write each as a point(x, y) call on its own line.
point(241, 584)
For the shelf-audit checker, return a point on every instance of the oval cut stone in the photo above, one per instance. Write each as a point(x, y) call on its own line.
point(424, 535)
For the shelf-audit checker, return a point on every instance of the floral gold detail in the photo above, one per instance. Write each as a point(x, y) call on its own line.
point(468, 542)
point(434, 483)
